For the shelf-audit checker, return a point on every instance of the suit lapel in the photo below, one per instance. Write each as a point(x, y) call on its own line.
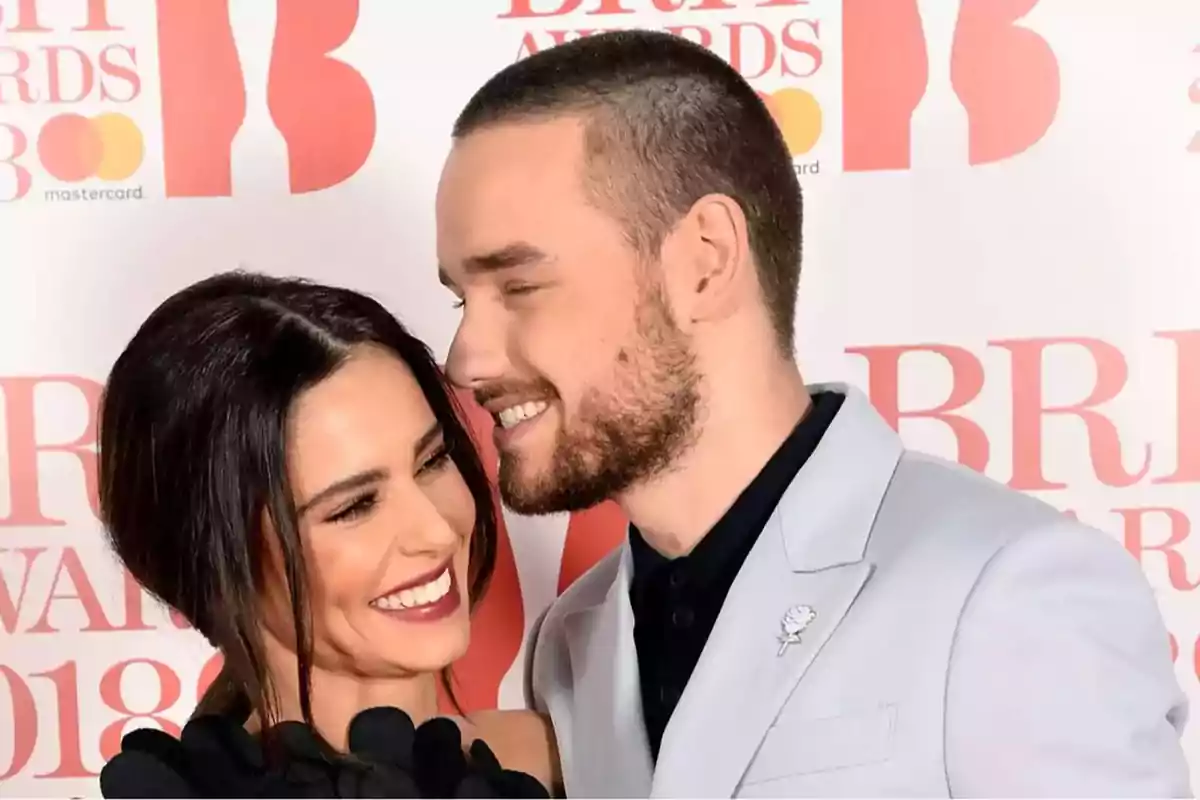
point(611, 752)
point(742, 680)
point(811, 553)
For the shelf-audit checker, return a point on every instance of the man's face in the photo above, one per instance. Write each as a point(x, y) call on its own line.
point(566, 336)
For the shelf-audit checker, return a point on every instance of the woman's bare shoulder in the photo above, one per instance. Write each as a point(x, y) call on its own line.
point(522, 740)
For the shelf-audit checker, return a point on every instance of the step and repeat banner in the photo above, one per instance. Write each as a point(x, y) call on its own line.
point(1002, 248)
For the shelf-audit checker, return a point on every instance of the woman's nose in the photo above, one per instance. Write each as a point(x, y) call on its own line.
point(426, 531)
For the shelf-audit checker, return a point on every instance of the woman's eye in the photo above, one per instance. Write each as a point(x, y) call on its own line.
point(356, 509)
point(439, 459)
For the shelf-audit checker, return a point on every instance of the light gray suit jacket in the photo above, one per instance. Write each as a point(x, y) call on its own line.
point(968, 640)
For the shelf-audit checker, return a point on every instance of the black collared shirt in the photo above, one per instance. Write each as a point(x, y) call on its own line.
point(676, 601)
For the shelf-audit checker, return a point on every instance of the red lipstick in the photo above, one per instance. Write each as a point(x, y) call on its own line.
point(439, 609)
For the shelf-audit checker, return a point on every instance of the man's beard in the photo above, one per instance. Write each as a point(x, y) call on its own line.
point(625, 436)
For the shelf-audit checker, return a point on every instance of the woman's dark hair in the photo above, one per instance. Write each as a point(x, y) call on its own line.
point(193, 451)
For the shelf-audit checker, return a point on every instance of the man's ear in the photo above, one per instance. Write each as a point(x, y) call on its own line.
point(709, 254)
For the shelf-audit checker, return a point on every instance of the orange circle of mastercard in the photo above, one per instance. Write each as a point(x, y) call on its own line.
point(798, 115)
point(73, 148)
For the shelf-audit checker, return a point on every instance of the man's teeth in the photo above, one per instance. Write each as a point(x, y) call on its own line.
point(417, 596)
point(515, 414)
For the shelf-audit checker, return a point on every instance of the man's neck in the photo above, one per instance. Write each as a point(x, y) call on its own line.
point(743, 424)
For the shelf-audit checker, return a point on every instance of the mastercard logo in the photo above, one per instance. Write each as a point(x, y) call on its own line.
point(798, 115)
point(107, 146)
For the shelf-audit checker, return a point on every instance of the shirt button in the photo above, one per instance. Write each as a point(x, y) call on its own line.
point(682, 617)
point(668, 695)
point(676, 580)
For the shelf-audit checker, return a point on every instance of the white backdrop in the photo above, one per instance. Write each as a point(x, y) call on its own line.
point(1002, 246)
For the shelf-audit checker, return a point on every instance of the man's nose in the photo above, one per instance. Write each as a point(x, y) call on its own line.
point(477, 353)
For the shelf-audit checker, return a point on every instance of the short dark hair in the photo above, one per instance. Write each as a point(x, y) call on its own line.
point(667, 122)
point(192, 452)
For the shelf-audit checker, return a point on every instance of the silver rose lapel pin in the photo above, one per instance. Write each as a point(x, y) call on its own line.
point(794, 623)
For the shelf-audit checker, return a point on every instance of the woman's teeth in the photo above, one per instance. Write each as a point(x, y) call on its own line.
point(416, 596)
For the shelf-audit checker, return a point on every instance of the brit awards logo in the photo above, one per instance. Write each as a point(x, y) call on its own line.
point(899, 61)
point(79, 119)
point(71, 102)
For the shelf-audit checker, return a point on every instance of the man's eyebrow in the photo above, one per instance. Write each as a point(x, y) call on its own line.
point(517, 254)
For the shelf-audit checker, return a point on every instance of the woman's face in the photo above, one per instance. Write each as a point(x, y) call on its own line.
point(386, 522)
